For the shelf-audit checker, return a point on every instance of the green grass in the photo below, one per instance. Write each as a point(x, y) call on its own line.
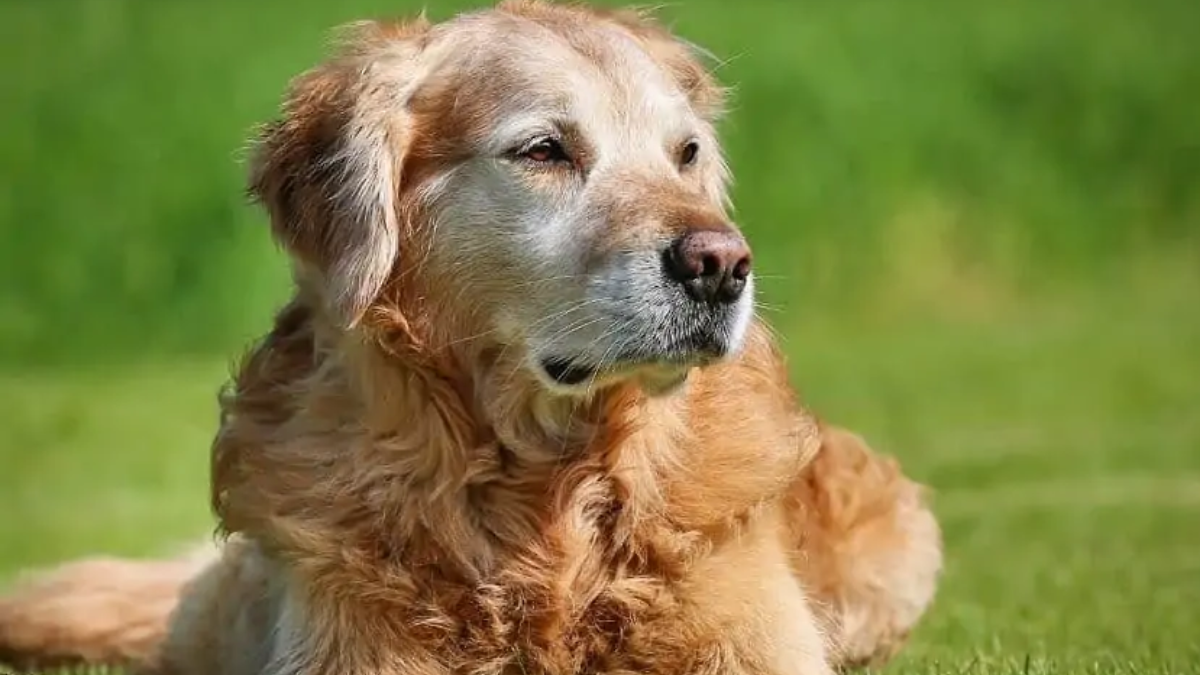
point(978, 226)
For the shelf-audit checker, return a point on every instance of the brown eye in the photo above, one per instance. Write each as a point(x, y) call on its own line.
point(545, 151)
point(687, 156)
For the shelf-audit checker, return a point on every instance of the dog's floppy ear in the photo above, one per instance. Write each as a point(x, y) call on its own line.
point(328, 169)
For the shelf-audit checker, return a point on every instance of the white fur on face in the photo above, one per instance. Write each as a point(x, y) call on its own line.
point(562, 272)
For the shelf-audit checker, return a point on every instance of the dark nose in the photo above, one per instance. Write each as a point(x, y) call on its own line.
point(712, 265)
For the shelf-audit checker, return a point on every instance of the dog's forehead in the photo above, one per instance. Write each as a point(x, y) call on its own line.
point(589, 72)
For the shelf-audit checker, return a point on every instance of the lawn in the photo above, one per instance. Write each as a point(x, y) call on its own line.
point(979, 234)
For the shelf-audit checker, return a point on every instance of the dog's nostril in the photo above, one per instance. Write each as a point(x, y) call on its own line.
point(712, 265)
point(742, 269)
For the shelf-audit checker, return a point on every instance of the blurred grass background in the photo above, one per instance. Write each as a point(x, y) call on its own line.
point(978, 227)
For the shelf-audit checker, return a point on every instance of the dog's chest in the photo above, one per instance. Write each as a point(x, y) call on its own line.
point(563, 610)
point(533, 628)
point(592, 589)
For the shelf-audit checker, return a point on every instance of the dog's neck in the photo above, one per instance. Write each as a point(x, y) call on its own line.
point(458, 461)
point(413, 448)
point(502, 440)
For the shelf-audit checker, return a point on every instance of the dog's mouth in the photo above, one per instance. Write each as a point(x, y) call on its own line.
point(568, 373)
point(658, 364)
point(656, 376)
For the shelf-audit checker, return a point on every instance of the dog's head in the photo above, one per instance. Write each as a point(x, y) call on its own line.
point(538, 179)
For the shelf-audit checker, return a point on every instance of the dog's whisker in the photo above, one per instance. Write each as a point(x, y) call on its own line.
point(550, 318)
point(570, 329)
point(584, 324)
point(614, 348)
point(545, 281)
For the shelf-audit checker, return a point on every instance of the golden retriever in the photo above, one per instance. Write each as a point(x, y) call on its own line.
point(518, 416)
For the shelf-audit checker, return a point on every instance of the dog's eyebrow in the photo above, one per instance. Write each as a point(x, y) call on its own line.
point(581, 150)
point(524, 129)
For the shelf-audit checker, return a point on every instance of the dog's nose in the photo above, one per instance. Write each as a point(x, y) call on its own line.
point(712, 265)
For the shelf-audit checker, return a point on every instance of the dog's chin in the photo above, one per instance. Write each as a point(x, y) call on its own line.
point(658, 367)
point(665, 381)
point(656, 378)
point(659, 376)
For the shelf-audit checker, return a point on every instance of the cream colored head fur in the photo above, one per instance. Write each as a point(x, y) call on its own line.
point(407, 160)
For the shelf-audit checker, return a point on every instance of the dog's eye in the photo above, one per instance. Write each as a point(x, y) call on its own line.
point(687, 156)
point(545, 151)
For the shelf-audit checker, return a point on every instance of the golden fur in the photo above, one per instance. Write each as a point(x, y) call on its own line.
point(402, 495)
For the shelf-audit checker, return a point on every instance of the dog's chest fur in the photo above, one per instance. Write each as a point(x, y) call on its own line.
point(592, 595)
point(420, 541)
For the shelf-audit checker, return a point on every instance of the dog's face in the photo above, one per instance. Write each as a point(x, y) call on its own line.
point(551, 173)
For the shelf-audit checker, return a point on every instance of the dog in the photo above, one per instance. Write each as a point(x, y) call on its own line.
point(518, 415)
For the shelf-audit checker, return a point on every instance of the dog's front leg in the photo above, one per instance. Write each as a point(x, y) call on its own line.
point(335, 638)
point(747, 595)
point(249, 614)
point(866, 544)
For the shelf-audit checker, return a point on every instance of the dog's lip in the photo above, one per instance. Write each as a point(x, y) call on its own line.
point(567, 372)
point(574, 369)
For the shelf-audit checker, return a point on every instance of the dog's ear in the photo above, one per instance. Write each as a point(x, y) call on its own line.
point(328, 170)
